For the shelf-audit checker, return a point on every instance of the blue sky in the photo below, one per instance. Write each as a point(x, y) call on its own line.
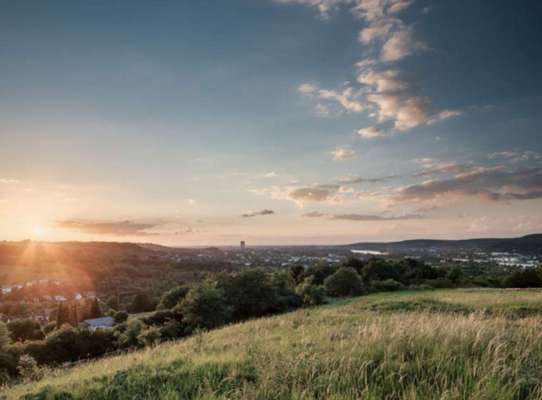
point(320, 121)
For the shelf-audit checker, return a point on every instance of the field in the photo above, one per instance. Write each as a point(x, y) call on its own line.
point(445, 344)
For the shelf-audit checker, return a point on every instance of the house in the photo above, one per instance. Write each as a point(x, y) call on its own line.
point(96, 323)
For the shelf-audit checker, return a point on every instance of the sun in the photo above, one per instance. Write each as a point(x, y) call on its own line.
point(38, 231)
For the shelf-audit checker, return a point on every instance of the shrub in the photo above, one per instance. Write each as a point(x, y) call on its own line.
point(344, 282)
point(120, 317)
point(319, 273)
point(172, 297)
point(172, 330)
point(4, 336)
point(388, 285)
point(311, 294)
point(524, 279)
point(205, 307)
point(25, 329)
point(130, 336)
point(142, 303)
point(28, 368)
point(159, 317)
point(150, 336)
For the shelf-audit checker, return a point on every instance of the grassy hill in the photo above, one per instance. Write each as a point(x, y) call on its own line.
point(447, 344)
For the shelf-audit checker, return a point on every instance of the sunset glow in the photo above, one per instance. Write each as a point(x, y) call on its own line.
point(289, 122)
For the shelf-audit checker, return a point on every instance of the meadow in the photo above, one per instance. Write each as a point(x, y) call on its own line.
point(441, 344)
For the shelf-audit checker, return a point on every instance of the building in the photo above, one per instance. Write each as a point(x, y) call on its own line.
point(242, 245)
point(96, 323)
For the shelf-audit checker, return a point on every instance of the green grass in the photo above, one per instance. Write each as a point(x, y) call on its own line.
point(446, 344)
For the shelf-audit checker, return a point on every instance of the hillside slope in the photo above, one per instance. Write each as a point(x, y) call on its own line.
point(530, 244)
point(462, 344)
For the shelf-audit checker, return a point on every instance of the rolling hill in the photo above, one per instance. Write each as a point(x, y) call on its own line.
point(530, 244)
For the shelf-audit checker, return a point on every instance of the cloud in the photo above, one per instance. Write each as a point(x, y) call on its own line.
point(8, 181)
point(363, 217)
point(313, 214)
point(492, 183)
point(435, 168)
point(307, 88)
point(399, 45)
point(341, 154)
point(118, 228)
point(351, 181)
point(315, 193)
point(517, 155)
point(346, 98)
point(383, 92)
point(386, 81)
point(251, 214)
point(371, 132)
point(407, 111)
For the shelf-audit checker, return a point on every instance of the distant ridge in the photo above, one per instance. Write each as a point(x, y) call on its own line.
point(529, 244)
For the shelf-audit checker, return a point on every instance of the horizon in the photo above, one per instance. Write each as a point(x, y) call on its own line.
point(248, 245)
point(277, 122)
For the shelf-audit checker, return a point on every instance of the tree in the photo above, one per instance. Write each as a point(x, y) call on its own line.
point(205, 307)
point(141, 303)
point(524, 279)
point(25, 329)
point(4, 336)
point(62, 315)
point(311, 294)
point(120, 317)
point(172, 297)
point(113, 302)
point(319, 273)
point(344, 282)
point(297, 273)
point(95, 310)
point(355, 263)
point(455, 275)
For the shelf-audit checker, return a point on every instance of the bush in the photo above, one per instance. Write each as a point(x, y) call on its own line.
point(28, 368)
point(388, 285)
point(254, 292)
point(172, 330)
point(159, 317)
point(172, 297)
point(142, 303)
point(205, 307)
point(344, 282)
point(524, 279)
point(311, 294)
point(4, 336)
point(120, 317)
point(319, 273)
point(130, 336)
point(25, 329)
point(150, 336)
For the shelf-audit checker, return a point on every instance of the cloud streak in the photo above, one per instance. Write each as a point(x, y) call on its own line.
point(117, 228)
point(251, 214)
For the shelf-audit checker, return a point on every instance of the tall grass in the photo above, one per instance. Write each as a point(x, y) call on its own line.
point(347, 351)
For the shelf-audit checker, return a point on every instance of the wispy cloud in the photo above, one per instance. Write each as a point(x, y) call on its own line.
point(117, 228)
point(8, 181)
point(251, 214)
point(341, 154)
point(363, 217)
point(383, 92)
point(493, 183)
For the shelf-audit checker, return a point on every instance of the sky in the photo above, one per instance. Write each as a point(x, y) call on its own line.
point(272, 121)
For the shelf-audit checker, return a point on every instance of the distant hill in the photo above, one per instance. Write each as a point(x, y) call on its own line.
point(530, 244)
